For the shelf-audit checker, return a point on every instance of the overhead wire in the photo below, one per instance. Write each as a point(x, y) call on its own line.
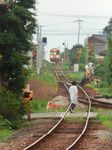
point(77, 16)
point(83, 33)
point(63, 33)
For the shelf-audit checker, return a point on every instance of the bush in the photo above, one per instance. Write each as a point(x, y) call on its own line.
point(82, 67)
point(12, 106)
point(99, 71)
point(18, 123)
point(4, 123)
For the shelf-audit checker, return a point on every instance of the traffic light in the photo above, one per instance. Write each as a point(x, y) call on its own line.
point(44, 40)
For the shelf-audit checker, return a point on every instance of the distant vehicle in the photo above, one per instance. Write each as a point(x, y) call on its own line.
point(55, 55)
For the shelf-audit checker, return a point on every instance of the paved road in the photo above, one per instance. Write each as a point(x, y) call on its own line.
point(59, 115)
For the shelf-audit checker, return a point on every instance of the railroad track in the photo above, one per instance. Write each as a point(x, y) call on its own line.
point(96, 103)
point(38, 143)
point(51, 139)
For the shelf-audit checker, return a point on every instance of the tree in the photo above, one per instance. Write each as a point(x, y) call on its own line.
point(91, 57)
point(108, 64)
point(108, 28)
point(108, 58)
point(77, 54)
point(17, 25)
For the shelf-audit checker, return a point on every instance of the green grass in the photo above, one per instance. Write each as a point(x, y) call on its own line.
point(76, 75)
point(105, 91)
point(47, 78)
point(102, 90)
point(79, 109)
point(64, 66)
point(39, 105)
point(104, 116)
point(106, 119)
point(74, 119)
point(5, 134)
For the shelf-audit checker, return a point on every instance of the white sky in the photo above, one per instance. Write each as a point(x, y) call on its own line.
point(60, 17)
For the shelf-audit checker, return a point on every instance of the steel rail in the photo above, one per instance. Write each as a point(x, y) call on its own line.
point(96, 103)
point(49, 132)
point(57, 124)
point(52, 129)
point(100, 101)
point(90, 102)
point(86, 123)
point(87, 119)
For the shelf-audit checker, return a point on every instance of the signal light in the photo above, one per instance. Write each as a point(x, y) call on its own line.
point(44, 40)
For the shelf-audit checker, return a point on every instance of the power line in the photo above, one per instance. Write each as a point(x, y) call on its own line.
point(77, 16)
point(99, 30)
point(63, 33)
point(58, 23)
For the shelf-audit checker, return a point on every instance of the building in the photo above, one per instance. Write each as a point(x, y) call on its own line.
point(97, 43)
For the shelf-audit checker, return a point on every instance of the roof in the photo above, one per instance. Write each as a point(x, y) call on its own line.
point(99, 37)
point(54, 49)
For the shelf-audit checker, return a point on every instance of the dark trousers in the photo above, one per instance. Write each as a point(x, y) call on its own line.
point(72, 106)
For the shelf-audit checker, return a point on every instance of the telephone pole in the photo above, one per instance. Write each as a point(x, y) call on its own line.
point(79, 26)
point(39, 53)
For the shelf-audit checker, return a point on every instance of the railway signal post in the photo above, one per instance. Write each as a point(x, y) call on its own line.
point(27, 94)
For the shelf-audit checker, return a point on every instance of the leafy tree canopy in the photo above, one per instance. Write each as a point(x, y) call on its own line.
point(17, 25)
point(73, 54)
point(108, 28)
point(108, 63)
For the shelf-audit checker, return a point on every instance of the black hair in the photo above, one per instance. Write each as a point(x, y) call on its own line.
point(73, 82)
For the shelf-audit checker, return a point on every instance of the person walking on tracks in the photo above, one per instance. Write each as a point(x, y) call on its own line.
point(73, 91)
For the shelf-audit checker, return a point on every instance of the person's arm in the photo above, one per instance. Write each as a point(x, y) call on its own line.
point(69, 90)
point(77, 91)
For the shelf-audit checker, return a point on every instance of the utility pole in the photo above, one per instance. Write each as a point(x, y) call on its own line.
point(66, 58)
point(86, 54)
point(39, 52)
point(41, 49)
point(79, 26)
point(64, 44)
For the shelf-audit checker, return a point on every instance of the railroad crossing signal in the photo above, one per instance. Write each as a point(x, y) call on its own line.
point(34, 54)
point(28, 95)
point(78, 58)
point(78, 54)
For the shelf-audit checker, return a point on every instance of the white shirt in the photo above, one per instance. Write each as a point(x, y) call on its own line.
point(73, 94)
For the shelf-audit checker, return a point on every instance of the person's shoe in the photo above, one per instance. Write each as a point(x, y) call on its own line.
point(71, 111)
